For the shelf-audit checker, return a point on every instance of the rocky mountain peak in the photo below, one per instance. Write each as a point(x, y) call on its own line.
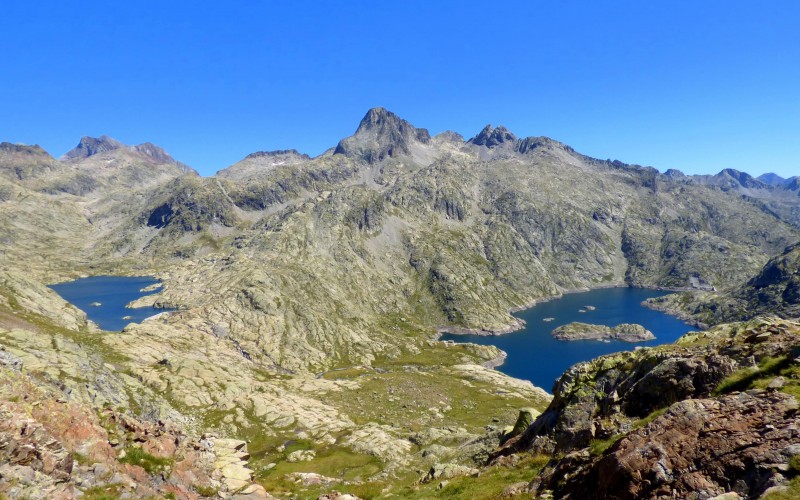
point(90, 146)
point(158, 155)
point(491, 137)
point(674, 173)
point(742, 178)
point(771, 178)
point(382, 134)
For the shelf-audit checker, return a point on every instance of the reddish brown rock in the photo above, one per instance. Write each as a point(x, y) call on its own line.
point(697, 449)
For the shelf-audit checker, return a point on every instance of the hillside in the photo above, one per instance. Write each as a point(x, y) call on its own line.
point(775, 289)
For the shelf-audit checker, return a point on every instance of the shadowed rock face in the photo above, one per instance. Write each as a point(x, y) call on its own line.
point(382, 134)
point(90, 146)
point(491, 137)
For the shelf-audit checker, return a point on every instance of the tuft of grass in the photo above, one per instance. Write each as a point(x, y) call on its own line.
point(598, 446)
point(746, 378)
point(108, 492)
point(794, 464)
point(148, 462)
point(792, 491)
point(206, 491)
point(642, 422)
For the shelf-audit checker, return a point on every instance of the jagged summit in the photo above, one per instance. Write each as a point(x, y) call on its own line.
point(158, 155)
point(491, 137)
point(90, 146)
point(382, 134)
point(674, 173)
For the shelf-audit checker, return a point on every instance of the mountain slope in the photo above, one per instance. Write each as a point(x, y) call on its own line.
point(775, 289)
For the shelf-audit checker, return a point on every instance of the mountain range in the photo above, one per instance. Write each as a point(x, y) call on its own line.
point(309, 293)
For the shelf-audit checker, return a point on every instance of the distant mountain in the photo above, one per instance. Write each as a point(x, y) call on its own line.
point(260, 162)
point(730, 178)
point(90, 146)
point(20, 162)
point(771, 179)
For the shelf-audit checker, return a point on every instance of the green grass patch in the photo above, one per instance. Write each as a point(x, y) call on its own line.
point(110, 492)
point(334, 462)
point(794, 464)
point(792, 492)
point(490, 484)
point(598, 446)
point(206, 491)
point(746, 378)
point(148, 462)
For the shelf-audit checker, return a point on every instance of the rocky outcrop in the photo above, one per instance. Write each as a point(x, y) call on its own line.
point(601, 398)
point(583, 331)
point(700, 448)
point(382, 134)
point(256, 165)
point(491, 137)
point(50, 448)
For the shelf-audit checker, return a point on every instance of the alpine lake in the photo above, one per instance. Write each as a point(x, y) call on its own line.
point(104, 299)
point(533, 353)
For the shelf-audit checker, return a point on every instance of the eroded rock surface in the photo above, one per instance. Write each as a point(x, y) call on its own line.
point(698, 449)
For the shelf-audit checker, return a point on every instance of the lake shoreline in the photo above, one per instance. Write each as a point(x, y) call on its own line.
point(535, 354)
point(520, 323)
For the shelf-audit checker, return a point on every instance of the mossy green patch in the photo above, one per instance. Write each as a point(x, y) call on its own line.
point(748, 378)
point(151, 464)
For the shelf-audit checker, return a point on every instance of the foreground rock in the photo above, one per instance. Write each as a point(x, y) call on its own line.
point(584, 331)
point(711, 414)
point(699, 449)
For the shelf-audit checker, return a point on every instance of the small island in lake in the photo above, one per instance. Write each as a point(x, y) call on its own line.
point(583, 331)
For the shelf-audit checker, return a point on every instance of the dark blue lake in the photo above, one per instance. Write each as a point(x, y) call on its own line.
point(113, 293)
point(533, 354)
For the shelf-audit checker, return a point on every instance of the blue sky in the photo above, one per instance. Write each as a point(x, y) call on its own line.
point(698, 86)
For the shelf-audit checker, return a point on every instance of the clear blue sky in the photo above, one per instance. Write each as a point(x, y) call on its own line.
point(695, 85)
